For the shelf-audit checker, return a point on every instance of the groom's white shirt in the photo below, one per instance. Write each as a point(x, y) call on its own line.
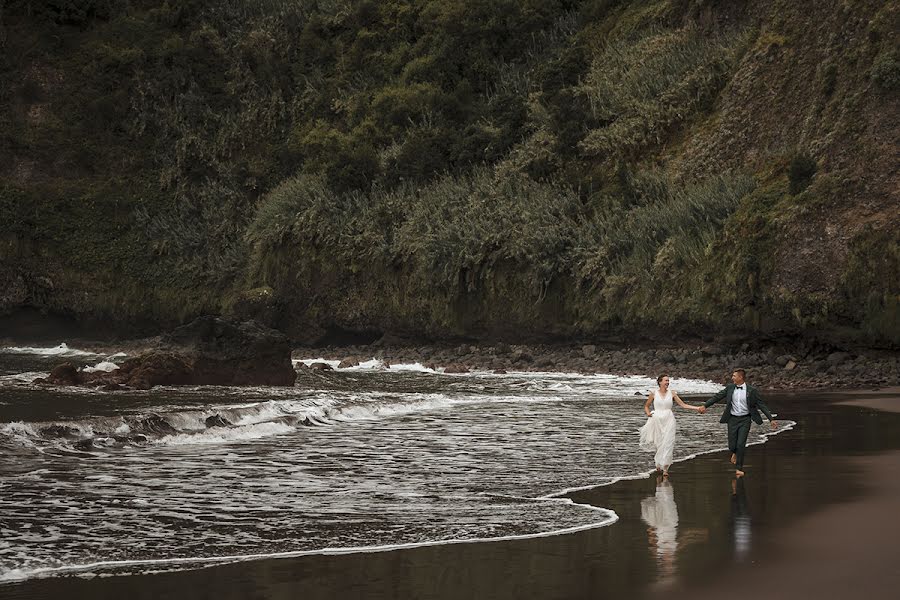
point(739, 402)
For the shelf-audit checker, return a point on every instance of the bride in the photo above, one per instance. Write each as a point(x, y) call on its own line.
point(658, 433)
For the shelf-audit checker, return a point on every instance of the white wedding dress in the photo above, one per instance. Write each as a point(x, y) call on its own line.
point(658, 433)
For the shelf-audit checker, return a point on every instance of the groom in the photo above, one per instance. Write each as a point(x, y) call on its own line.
point(742, 403)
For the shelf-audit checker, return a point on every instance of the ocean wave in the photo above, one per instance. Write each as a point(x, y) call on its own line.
point(62, 350)
point(225, 424)
point(604, 517)
point(104, 365)
point(26, 377)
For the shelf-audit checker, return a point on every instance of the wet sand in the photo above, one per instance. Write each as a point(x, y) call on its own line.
point(813, 518)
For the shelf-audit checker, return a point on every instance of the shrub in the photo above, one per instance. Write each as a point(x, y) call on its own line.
point(800, 172)
point(638, 89)
point(886, 70)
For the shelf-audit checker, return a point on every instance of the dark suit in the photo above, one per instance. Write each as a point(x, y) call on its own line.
point(739, 426)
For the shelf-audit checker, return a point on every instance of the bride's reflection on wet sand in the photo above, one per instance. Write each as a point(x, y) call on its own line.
point(660, 513)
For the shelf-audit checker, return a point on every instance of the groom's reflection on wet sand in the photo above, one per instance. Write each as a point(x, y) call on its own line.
point(660, 513)
point(740, 519)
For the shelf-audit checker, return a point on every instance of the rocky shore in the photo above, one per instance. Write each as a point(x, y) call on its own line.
point(770, 367)
point(207, 351)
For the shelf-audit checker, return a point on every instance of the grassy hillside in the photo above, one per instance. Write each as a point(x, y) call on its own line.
point(515, 169)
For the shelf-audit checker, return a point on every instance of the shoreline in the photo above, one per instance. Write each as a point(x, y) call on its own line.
point(821, 371)
point(494, 568)
point(771, 368)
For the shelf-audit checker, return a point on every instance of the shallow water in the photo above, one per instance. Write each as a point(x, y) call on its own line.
point(362, 458)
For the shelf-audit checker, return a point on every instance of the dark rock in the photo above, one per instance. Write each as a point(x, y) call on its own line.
point(500, 371)
point(155, 424)
point(588, 350)
point(521, 356)
point(790, 365)
point(207, 351)
point(64, 374)
point(320, 366)
point(156, 368)
point(544, 362)
point(223, 352)
point(217, 421)
point(348, 362)
point(502, 348)
point(837, 358)
point(456, 368)
point(84, 445)
point(782, 360)
point(58, 431)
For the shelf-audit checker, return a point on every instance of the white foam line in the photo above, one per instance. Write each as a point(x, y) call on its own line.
point(787, 426)
point(611, 517)
point(61, 350)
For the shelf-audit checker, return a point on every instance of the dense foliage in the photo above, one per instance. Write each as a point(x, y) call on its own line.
point(236, 144)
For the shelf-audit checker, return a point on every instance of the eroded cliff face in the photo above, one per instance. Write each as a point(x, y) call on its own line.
point(531, 171)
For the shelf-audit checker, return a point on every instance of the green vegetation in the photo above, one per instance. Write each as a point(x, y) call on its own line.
point(451, 167)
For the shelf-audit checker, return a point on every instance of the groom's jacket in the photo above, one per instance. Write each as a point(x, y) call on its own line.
point(754, 403)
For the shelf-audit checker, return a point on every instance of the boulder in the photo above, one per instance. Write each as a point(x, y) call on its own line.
point(456, 368)
point(782, 360)
point(217, 421)
point(145, 371)
point(521, 356)
point(588, 350)
point(665, 357)
point(348, 362)
point(790, 365)
point(544, 362)
point(837, 358)
point(320, 366)
point(64, 374)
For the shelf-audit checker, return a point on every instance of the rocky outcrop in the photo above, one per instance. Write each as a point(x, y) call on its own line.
point(207, 351)
point(224, 352)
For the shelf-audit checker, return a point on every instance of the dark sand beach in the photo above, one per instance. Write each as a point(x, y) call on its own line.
point(813, 518)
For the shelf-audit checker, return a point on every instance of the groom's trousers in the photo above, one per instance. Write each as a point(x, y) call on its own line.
point(738, 430)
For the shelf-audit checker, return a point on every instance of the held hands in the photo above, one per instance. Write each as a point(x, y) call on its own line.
point(774, 424)
point(701, 409)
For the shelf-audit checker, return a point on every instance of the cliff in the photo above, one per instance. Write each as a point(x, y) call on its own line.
point(518, 170)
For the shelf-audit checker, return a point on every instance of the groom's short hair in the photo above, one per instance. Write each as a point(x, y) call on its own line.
point(742, 372)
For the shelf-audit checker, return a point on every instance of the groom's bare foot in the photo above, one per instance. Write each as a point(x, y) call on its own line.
point(733, 459)
point(738, 473)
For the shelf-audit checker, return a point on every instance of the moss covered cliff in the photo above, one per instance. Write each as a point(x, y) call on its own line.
point(510, 169)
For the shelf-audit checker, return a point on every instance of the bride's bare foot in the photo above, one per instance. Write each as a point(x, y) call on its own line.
point(738, 473)
point(734, 459)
